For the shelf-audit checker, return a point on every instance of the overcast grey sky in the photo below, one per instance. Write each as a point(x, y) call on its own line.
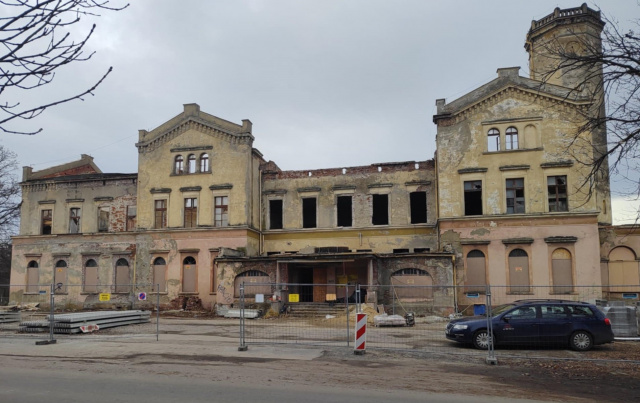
point(326, 83)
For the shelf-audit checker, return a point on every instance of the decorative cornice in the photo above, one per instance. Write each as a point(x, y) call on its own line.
point(343, 187)
point(475, 242)
point(309, 189)
point(160, 190)
point(74, 200)
point(223, 186)
point(417, 183)
point(514, 167)
point(557, 164)
point(472, 170)
point(561, 239)
point(191, 189)
point(274, 192)
point(184, 149)
point(47, 202)
point(380, 185)
point(514, 241)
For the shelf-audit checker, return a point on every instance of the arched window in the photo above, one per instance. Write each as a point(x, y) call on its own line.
point(476, 272)
point(123, 277)
point(623, 270)
point(519, 272)
point(179, 165)
point(189, 274)
point(192, 163)
point(412, 283)
point(90, 283)
point(511, 138)
point(204, 162)
point(255, 282)
point(60, 277)
point(159, 275)
point(33, 276)
point(493, 136)
point(561, 271)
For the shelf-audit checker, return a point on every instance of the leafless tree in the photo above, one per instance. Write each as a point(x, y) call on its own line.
point(610, 76)
point(36, 40)
point(9, 194)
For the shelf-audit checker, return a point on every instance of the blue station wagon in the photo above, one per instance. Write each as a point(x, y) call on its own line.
point(578, 325)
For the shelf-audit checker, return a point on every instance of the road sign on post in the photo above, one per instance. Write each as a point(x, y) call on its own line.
point(361, 333)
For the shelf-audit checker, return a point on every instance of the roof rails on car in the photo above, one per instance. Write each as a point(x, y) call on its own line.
point(549, 300)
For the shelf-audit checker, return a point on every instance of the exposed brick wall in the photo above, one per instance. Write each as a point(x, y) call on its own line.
point(84, 169)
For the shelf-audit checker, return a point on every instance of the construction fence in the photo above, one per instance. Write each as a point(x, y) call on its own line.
point(408, 317)
point(51, 311)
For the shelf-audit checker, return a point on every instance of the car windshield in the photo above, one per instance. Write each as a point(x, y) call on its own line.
point(502, 308)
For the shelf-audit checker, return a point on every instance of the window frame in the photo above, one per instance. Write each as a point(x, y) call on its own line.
point(309, 212)
point(44, 220)
point(221, 210)
point(510, 135)
point(178, 165)
point(205, 166)
point(162, 210)
point(515, 188)
point(557, 202)
point(469, 211)
point(77, 217)
point(380, 207)
point(280, 221)
point(343, 218)
point(493, 136)
point(191, 212)
point(192, 164)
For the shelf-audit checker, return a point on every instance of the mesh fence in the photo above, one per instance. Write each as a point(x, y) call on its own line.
point(98, 311)
point(410, 317)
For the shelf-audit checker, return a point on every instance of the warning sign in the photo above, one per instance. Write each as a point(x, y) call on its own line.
point(105, 296)
point(142, 296)
point(294, 297)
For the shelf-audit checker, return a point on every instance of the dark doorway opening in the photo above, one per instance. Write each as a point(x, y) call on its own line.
point(305, 278)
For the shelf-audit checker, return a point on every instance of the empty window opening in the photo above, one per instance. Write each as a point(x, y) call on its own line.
point(345, 211)
point(103, 219)
point(221, 211)
point(344, 171)
point(192, 163)
point(160, 214)
point(131, 217)
point(401, 251)
point(515, 196)
point(190, 212)
point(380, 214)
point(417, 166)
point(493, 138)
point(379, 169)
point(179, 165)
point(511, 139)
point(74, 220)
point(557, 188)
point(309, 173)
point(46, 222)
point(275, 214)
point(473, 198)
point(204, 162)
point(421, 250)
point(418, 201)
point(309, 212)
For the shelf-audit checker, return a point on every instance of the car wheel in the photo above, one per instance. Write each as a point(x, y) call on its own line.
point(481, 339)
point(581, 341)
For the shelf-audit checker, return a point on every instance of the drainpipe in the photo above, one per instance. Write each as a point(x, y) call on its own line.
point(455, 284)
point(133, 293)
point(261, 236)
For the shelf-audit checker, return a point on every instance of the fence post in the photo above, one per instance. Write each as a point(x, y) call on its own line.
point(346, 298)
point(243, 345)
point(51, 318)
point(158, 312)
point(491, 354)
point(358, 308)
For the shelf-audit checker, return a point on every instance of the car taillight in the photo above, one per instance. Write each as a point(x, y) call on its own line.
point(607, 322)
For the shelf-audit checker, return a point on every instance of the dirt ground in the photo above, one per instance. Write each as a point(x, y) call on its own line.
point(192, 348)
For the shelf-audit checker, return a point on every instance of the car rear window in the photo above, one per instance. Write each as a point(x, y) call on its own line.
point(580, 311)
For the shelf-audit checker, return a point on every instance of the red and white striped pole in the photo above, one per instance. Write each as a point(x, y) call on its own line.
point(361, 333)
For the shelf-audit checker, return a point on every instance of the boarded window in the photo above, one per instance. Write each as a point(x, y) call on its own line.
point(159, 275)
point(515, 196)
point(309, 212)
point(160, 220)
point(473, 198)
point(189, 274)
point(33, 276)
point(91, 276)
point(60, 277)
point(418, 201)
point(190, 212)
point(412, 284)
point(132, 212)
point(255, 282)
point(275, 214)
point(345, 211)
point(74, 220)
point(511, 139)
point(519, 272)
point(561, 271)
point(380, 214)
point(221, 211)
point(47, 221)
point(493, 138)
point(103, 219)
point(476, 272)
point(557, 189)
point(623, 270)
point(123, 277)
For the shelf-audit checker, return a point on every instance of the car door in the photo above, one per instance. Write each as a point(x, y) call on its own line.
point(555, 324)
point(518, 326)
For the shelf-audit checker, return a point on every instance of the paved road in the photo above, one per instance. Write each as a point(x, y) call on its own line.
point(38, 386)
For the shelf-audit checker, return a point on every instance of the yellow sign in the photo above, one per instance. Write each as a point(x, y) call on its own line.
point(294, 297)
point(105, 296)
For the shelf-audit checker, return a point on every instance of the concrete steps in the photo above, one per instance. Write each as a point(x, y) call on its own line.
point(316, 309)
